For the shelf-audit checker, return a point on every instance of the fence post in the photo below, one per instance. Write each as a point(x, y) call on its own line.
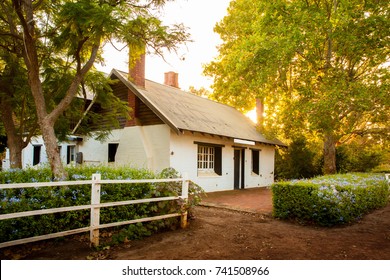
point(184, 196)
point(95, 211)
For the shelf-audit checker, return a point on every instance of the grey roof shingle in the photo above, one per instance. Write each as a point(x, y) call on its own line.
point(185, 111)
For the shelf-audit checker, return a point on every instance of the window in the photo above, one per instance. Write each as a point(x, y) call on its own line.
point(256, 162)
point(209, 159)
point(70, 154)
point(112, 148)
point(36, 154)
point(206, 157)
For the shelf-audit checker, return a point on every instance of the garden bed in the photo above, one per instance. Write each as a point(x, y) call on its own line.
point(330, 200)
point(25, 199)
point(220, 234)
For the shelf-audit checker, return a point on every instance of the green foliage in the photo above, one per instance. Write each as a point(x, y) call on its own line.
point(384, 166)
point(195, 191)
point(330, 200)
point(320, 67)
point(17, 110)
point(298, 161)
point(27, 199)
point(202, 92)
point(355, 158)
point(304, 158)
point(56, 44)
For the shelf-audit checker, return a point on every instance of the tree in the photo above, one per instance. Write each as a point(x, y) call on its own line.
point(319, 65)
point(70, 35)
point(296, 162)
point(17, 110)
point(202, 92)
point(361, 155)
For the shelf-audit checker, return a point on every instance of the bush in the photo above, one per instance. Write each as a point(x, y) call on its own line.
point(28, 199)
point(298, 161)
point(357, 158)
point(330, 200)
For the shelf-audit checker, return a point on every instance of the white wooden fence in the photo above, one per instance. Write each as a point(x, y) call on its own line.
point(94, 206)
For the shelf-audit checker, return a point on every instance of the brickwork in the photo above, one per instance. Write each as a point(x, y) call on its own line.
point(171, 79)
point(137, 72)
point(132, 101)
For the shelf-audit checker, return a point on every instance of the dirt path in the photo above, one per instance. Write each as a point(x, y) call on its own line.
point(225, 234)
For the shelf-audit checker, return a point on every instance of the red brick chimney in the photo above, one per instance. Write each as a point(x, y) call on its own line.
point(260, 111)
point(137, 67)
point(171, 79)
point(137, 76)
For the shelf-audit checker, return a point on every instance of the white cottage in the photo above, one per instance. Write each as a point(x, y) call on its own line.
point(216, 145)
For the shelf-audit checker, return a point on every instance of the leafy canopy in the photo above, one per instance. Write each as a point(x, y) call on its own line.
point(59, 42)
point(320, 65)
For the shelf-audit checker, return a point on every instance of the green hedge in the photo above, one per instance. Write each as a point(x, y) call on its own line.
point(330, 200)
point(27, 199)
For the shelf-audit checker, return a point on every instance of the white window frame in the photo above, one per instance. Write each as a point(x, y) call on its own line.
point(206, 159)
point(71, 154)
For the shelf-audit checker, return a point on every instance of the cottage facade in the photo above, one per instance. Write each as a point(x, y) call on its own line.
point(217, 146)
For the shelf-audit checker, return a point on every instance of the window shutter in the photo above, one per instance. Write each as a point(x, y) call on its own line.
point(68, 154)
point(218, 160)
point(256, 161)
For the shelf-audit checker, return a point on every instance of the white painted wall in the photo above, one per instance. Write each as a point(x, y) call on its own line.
point(158, 137)
point(267, 165)
point(184, 159)
point(27, 153)
point(157, 147)
point(144, 147)
point(139, 147)
point(94, 151)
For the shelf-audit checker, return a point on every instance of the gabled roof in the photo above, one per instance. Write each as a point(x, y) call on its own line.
point(185, 111)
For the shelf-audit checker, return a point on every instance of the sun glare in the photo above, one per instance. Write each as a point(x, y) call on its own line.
point(252, 115)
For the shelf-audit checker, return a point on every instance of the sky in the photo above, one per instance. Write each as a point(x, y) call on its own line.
point(200, 16)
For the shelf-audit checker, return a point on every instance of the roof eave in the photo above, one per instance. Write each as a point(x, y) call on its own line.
point(269, 142)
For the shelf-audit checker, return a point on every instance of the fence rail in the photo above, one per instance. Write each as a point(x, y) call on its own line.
point(95, 207)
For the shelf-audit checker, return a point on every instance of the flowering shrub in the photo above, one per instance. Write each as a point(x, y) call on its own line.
point(28, 199)
point(330, 200)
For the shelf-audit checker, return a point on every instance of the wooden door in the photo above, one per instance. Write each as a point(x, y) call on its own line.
point(239, 168)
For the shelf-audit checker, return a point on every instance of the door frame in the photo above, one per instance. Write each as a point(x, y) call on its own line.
point(239, 168)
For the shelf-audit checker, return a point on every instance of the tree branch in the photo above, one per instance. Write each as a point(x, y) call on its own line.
point(72, 91)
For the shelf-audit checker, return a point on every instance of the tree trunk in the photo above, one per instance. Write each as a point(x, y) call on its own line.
point(329, 154)
point(25, 11)
point(15, 141)
point(329, 139)
point(52, 151)
point(30, 55)
point(15, 153)
point(260, 112)
point(46, 124)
